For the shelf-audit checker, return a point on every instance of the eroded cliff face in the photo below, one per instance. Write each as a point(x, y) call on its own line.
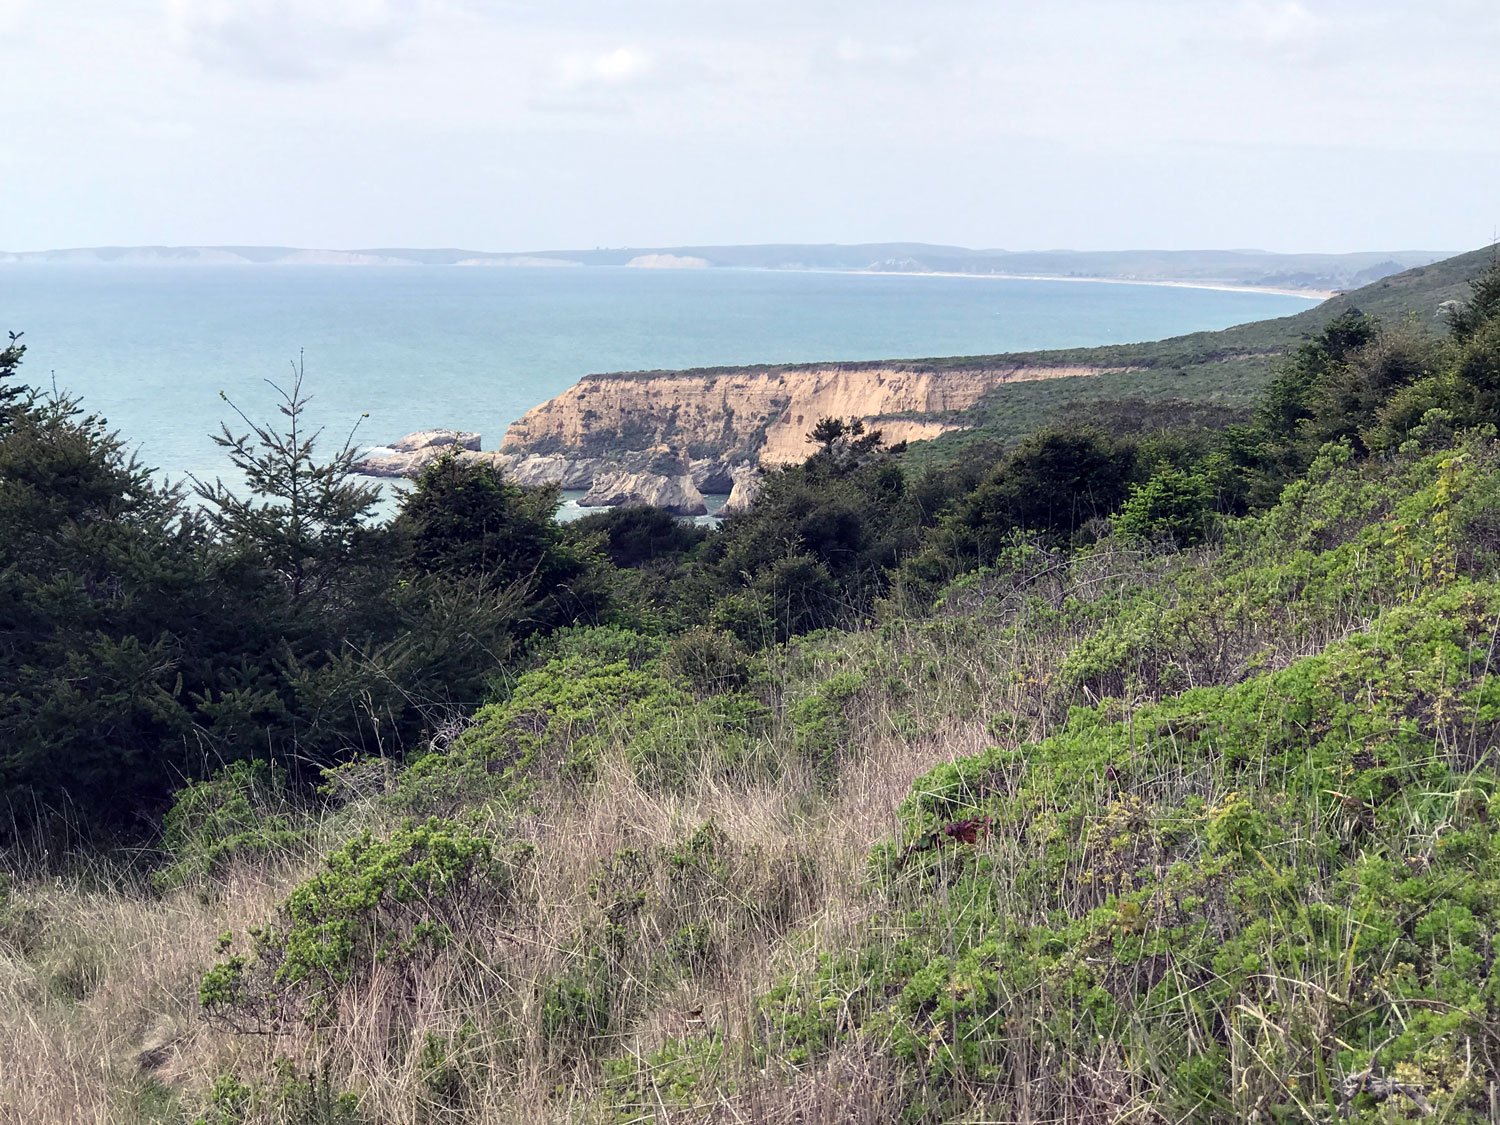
point(758, 415)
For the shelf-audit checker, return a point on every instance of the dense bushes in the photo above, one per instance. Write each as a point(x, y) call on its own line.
point(146, 640)
point(378, 905)
point(1241, 897)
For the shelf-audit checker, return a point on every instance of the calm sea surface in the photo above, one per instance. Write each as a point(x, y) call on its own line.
point(150, 347)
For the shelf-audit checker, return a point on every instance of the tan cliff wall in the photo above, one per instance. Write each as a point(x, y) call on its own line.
point(757, 414)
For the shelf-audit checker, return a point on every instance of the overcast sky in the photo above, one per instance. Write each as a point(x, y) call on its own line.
point(512, 125)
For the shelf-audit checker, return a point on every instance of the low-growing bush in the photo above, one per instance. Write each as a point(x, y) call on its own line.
point(240, 813)
point(377, 903)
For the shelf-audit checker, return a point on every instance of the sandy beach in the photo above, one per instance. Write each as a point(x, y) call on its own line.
point(1222, 286)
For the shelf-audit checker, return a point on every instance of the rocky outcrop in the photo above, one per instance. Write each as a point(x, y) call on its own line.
point(759, 415)
point(436, 439)
point(408, 456)
point(670, 437)
point(712, 476)
point(656, 477)
point(675, 494)
point(535, 470)
point(746, 490)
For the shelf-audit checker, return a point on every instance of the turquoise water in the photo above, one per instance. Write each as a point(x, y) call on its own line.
point(150, 347)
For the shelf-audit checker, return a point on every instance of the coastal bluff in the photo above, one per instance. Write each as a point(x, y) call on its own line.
point(721, 418)
point(668, 438)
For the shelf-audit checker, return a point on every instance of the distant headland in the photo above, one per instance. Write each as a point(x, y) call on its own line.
point(1314, 275)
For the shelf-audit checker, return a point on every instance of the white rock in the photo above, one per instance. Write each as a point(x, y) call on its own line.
point(747, 485)
point(427, 439)
point(678, 495)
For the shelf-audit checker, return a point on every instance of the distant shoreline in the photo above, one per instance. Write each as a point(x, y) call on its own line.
point(1312, 276)
point(1314, 295)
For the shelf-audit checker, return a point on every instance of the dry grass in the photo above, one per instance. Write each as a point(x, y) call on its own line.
point(103, 1006)
point(99, 1020)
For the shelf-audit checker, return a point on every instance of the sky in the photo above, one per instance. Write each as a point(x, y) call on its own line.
point(1313, 125)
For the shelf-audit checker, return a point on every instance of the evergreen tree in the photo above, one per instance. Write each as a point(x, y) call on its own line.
point(465, 520)
point(11, 393)
point(301, 515)
point(1468, 317)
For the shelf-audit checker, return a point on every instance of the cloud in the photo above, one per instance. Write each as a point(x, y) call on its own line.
point(857, 53)
point(1283, 27)
point(623, 66)
point(289, 39)
point(597, 84)
point(165, 129)
point(12, 12)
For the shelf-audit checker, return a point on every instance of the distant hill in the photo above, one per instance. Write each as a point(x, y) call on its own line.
point(1221, 371)
point(1308, 272)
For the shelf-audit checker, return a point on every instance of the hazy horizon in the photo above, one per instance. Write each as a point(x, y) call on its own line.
point(1314, 126)
point(523, 250)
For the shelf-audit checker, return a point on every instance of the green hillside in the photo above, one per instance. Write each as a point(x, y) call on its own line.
point(1227, 368)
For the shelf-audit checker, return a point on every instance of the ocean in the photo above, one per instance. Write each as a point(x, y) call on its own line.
point(151, 347)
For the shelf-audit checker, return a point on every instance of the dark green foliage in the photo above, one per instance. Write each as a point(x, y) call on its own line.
point(303, 517)
point(11, 393)
point(636, 536)
point(144, 643)
point(844, 445)
point(650, 550)
point(817, 547)
point(97, 565)
point(1053, 485)
point(465, 520)
point(1465, 318)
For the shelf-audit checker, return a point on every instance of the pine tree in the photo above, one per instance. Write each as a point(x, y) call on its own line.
point(11, 394)
point(302, 516)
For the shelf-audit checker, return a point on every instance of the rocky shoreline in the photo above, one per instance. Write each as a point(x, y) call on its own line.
point(657, 477)
point(669, 439)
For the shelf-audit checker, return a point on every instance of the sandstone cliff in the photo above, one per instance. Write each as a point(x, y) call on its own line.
point(758, 415)
point(674, 435)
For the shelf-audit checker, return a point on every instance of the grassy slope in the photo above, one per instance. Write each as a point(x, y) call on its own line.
point(1227, 368)
point(1239, 859)
point(1240, 850)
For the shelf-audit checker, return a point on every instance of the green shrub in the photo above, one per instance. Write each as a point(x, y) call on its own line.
point(820, 720)
point(291, 1099)
point(709, 660)
point(391, 902)
point(1313, 845)
point(1173, 506)
point(242, 812)
point(674, 1076)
